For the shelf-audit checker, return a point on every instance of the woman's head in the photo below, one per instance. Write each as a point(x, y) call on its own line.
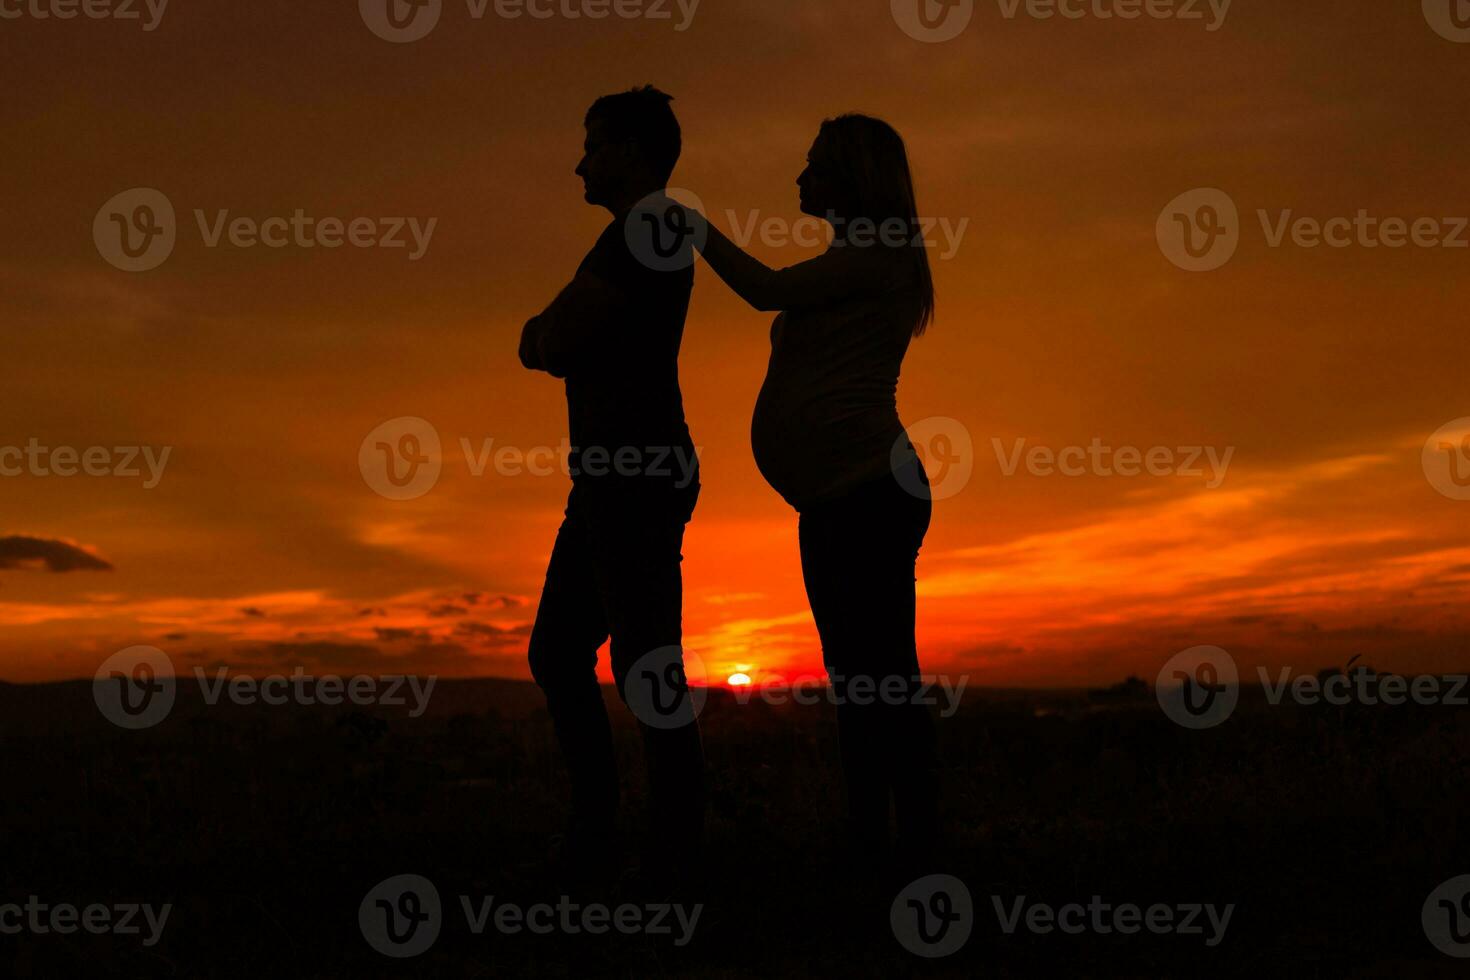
point(857, 174)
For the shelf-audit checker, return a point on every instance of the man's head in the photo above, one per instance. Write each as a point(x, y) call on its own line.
point(633, 142)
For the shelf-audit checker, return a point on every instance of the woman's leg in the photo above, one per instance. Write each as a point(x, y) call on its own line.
point(914, 759)
point(858, 557)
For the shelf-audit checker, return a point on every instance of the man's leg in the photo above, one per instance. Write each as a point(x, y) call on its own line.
point(639, 539)
point(570, 627)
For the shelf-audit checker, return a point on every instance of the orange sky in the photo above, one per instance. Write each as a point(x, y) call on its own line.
point(1060, 321)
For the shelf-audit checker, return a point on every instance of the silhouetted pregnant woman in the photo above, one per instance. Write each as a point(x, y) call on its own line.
point(826, 435)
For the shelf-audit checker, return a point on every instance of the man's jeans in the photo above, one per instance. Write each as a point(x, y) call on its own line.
point(615, 571)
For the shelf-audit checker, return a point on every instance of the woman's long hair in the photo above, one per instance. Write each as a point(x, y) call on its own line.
point(875, 170)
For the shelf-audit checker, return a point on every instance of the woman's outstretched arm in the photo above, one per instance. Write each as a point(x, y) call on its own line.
point(750, 278)
point(844, 271)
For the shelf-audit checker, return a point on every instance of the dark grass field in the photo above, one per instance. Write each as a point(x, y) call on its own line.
point(1326, 827)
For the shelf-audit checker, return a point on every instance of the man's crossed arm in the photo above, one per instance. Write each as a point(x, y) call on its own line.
point(572, 327)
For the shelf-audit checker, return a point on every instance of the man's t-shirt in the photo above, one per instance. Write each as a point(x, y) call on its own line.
point(625, 411)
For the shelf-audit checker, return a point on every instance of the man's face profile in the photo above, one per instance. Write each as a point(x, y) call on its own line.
point(604, 164)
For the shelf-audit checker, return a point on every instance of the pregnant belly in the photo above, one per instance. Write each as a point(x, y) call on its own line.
point(810, 450)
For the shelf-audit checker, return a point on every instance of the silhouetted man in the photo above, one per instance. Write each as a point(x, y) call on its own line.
point(613, 334)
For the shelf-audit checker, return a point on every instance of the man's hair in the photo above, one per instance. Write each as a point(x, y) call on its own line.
point(644, 116)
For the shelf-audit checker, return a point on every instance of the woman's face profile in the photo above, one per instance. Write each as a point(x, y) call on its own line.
point(819, 182)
